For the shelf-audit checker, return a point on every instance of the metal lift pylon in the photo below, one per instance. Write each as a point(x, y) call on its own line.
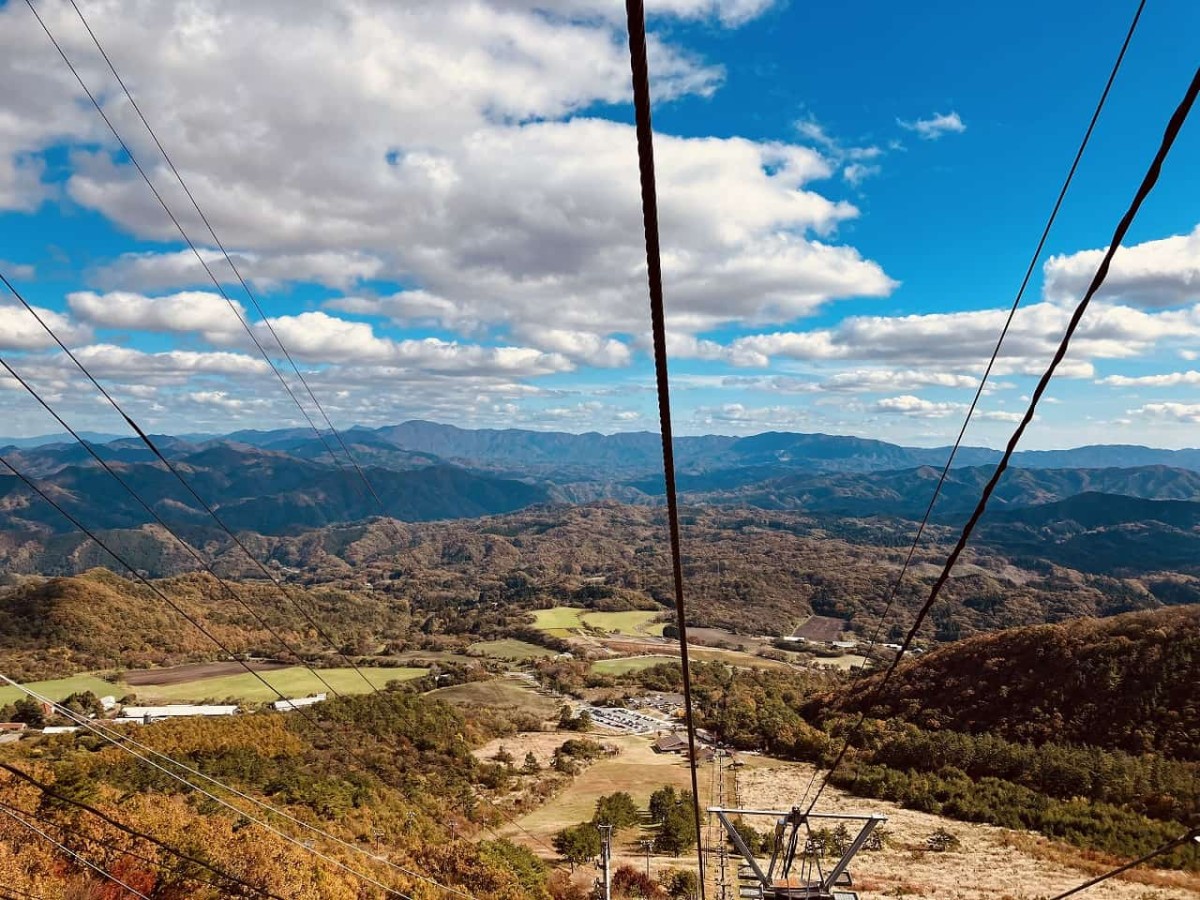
point(776, 881)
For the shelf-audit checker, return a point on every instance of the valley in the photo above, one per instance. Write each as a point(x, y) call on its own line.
point(494, 668)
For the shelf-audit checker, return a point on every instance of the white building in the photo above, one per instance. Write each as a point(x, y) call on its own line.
point(173, 711)
point(296, 703)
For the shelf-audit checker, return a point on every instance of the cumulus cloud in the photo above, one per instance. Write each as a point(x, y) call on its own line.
point(1167, 379)
point(479, 183)
point(936, 126)
point(966, 339)
point(762, 417)
point(165, 271)
point(1186, 413)
point(19, 330)
point(197, 311)
point(920, 408)
point(1155, 274)
point(909, 405)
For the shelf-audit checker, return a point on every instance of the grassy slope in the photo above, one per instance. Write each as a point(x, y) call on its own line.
point(59, 688)
point(511, 649)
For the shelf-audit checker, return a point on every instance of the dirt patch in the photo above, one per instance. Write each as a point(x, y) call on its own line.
point(821, 629)
point(182, 674)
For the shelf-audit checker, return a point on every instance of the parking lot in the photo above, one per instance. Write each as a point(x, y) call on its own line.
point(626, 720)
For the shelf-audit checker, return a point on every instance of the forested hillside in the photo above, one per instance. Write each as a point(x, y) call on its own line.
point(1125, 683)
point(98, 620)
point(390, 773)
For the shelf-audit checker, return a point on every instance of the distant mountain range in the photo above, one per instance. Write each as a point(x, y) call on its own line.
point(628, 453)
point(1100, 508)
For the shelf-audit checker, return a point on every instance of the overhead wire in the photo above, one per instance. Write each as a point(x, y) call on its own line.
point(133, 832)
point(113, 736)
point(147, 583)
point(125, 746)
point(640, 70)
point(1170, 133)
point(187, 485)
point(487, 800)
point(1018, 297)
point(175, 221)
point(191, 551)
point(67, 851)
point(229, 259)
point(254, 300)
point(1192, 835)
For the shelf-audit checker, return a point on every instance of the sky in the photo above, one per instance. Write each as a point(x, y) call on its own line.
point(435, 208)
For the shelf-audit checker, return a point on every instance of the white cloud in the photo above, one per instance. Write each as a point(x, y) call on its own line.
point(742, 417)
point(165, 271)
point(908, 405)
point(17, 271)
point(856, 173)
point(1186, 413)
point(477, 182)
point(935, 126)
point(19, 330)
point(1168, 379)
point(196, 311)
point(965, 340)
point(1154, 274)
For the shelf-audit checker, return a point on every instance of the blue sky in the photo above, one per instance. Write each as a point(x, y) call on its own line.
point(436, 206)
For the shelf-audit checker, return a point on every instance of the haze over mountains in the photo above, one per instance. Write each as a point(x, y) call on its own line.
point(1098, 507)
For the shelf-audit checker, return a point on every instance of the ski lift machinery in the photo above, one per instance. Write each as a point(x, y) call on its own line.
point(793, 843)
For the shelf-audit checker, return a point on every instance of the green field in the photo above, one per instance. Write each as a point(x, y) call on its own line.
point(559, 621)
point(511, 649)
point(563, 621)
point(629, 664)
point(634, 621)
point(61, 688)
point(295, 681)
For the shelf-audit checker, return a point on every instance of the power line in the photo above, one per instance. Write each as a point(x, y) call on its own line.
point(1194, 834)
point(1029, 270)
point(122, 745)
point(178, 227)
point(63, 848)
point(128, 566)
point(1147, 185)
point(115, 737)
point(173, 469)
point(108, 550)
point(157, 518)
point(228, 258)
point(636, 15)
point(132, 832)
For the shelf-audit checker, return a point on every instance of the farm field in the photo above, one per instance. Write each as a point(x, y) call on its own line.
point(194, 672)
point(565, 621)
point(634, 621)
point(629, 664)
point(60, 688)
point(559, 621)
point(294, 681)
point(500, 693)
point(511, 649)
point(670, 650)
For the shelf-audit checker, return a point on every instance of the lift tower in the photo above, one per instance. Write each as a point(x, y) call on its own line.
point(792, 843)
